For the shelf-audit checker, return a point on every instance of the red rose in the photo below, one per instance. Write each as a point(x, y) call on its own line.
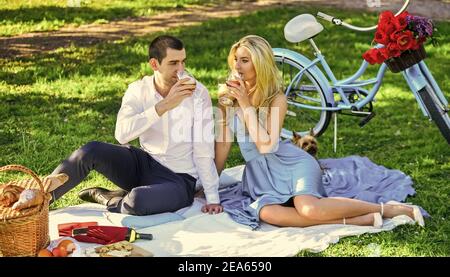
point(386, 23)
point(394, 36)
point(381, 37)
point(386, 28)
point(406, 40)
point(393, 49)
point(375, 55)
point(368, 56)
point(400, 22)
point(383, 55)
point(386, 17)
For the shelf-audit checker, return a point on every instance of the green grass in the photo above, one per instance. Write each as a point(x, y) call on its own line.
point(19, 17)
point(51, 104)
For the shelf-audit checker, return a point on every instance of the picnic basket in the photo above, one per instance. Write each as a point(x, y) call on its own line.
point(25, 232)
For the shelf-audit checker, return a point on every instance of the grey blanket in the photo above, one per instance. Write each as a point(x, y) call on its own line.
point(353, 177)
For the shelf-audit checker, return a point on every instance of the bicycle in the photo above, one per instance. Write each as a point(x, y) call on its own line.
point(310, 93)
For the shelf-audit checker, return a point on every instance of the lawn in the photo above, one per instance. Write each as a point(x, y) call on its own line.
point(19, 16)
point(53, 103)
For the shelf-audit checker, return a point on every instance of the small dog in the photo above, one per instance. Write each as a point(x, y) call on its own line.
point(307, 142)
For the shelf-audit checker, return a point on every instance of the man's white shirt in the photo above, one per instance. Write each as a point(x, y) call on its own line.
point(182, 139)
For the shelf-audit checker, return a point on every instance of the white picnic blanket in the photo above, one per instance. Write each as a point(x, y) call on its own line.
point(189, 232)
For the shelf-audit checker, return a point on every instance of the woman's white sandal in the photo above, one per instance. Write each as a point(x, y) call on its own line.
point(416, 212)
point(377, 220)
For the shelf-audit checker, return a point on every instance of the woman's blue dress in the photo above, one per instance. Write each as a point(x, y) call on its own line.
point(274, 178)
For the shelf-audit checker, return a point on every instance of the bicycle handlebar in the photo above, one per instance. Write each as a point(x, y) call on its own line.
point(339, 22)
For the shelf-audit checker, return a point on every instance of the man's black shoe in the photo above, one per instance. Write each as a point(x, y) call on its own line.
point(100, 195)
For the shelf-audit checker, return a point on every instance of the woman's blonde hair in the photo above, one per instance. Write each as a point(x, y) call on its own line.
point(268, 78)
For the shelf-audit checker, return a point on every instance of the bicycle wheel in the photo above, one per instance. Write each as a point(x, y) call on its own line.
point(437, 111)
point(307, 91)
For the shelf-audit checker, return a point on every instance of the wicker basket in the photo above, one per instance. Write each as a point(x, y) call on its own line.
point(25, 232)
point(406, 59)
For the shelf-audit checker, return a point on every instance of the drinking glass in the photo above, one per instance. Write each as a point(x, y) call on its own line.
point(223, 91)
point(185, 74)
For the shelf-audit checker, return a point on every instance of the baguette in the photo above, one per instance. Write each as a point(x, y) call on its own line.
point(52, 182)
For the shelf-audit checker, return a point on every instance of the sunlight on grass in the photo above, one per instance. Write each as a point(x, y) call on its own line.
point(19, 17)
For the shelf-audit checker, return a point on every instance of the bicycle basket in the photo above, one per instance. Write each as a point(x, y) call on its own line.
point(406, 59)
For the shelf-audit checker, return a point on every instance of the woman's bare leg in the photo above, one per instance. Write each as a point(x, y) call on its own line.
point(288, 217)
point(332, 208)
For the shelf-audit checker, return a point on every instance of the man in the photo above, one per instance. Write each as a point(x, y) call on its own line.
point(173, 120)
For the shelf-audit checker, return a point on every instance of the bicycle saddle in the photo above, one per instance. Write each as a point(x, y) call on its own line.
point(302, 27)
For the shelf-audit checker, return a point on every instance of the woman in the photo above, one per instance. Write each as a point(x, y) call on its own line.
point(283, 181)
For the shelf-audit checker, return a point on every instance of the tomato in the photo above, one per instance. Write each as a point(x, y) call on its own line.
point(59, 252)
point(44, 253)
point(68, 245)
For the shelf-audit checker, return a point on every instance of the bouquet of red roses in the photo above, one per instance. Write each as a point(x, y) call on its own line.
point(398, 34)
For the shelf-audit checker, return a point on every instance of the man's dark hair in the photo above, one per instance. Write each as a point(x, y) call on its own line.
point(158, 47)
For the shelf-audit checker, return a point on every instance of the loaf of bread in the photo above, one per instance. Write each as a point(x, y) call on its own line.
point(29, 198)
point(9, 194)
point(53, 182)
